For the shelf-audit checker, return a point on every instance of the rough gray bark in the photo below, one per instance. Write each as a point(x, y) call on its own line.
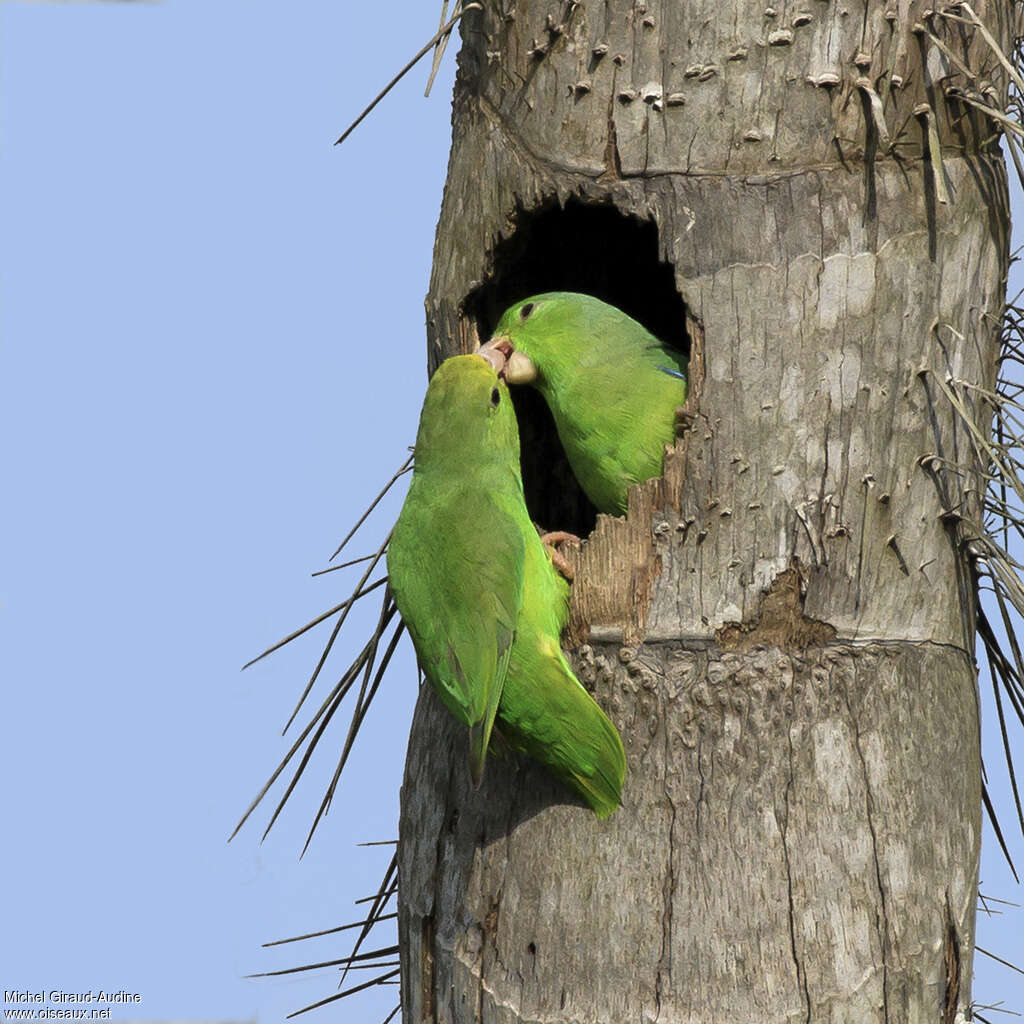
point(782, 628)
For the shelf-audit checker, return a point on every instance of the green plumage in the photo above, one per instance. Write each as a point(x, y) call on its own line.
point(456, 573)
point(612, 388)
point(545, 711)
point(478, 594)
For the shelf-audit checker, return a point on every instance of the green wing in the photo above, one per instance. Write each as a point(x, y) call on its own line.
point(456, 574)
point(614, 420)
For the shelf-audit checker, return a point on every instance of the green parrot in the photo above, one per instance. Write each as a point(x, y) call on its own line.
point(614, 390)
point(480, 598)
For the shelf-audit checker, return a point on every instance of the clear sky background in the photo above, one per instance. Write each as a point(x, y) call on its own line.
point(212, 354)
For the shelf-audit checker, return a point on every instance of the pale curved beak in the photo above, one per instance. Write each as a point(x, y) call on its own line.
point(494, 354)
point(513, 367)
point(519, 369)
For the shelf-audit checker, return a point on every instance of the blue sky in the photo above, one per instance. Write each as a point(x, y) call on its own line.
point(212, 353)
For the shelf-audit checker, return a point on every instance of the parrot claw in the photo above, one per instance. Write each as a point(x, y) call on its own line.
point(558, 560)
point(684, 421)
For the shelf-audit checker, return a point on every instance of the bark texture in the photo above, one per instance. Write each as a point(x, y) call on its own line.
point(782, 627)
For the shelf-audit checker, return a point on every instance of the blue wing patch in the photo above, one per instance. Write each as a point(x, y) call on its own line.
point(672, 373)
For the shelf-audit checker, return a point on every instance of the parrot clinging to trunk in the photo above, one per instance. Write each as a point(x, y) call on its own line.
point(614, 390)
point(480, 598)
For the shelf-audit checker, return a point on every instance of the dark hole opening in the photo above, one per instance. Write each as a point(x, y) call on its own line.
point(587, 248)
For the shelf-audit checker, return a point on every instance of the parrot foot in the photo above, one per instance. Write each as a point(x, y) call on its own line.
point(684, 421)
point(558, 560)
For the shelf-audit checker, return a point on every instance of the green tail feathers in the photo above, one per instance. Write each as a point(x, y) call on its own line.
point(600, 781)
point(603, 789)
point(544, 710)
point(479, 739)
point(560, 725)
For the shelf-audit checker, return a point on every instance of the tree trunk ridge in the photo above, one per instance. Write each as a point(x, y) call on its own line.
point(782, 628)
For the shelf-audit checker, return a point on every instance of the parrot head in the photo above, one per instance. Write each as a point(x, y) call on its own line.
point(467, 404)
point(530, 333)
point(540, 336)
point(545, 339)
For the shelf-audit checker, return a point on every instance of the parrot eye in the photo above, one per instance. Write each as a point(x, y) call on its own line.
point(495, 398)
point(526, 311)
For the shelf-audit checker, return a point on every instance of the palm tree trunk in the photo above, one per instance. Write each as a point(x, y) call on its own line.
point(783, 627)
